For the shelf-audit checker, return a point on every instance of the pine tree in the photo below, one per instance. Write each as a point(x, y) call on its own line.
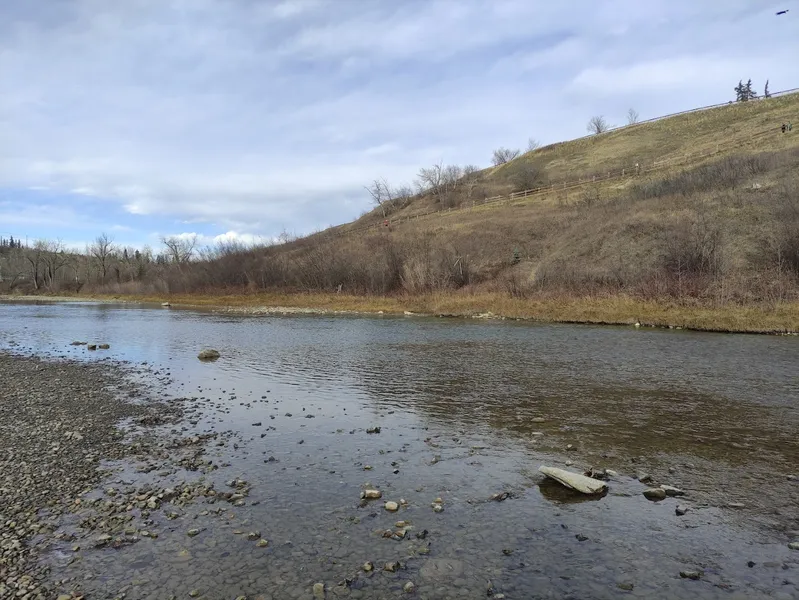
point(740, 92)
point(750, 93)
point(11, 242)
point(766, 93)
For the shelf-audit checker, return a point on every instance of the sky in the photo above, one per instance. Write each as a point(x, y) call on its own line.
point(243, 119)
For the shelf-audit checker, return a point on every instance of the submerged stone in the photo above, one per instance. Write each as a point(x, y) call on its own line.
point(208, 354)
point(575, 481)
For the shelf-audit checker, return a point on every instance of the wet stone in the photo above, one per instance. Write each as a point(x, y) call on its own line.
point(655, 494)
point(319, 591)
point(691, 574)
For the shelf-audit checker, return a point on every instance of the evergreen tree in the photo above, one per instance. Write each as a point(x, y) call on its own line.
point(11, 242)
point(740, 92)
point(750, 93)
point(766, 93)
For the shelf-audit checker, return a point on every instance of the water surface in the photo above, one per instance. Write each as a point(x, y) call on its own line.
point(466, 409)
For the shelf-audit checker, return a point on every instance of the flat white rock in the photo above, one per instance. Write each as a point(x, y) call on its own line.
point(575, 481)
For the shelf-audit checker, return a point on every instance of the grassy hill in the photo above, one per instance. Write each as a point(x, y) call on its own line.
point(710, 215)
point(703, 233)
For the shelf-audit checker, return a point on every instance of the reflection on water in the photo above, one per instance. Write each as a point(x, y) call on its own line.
point(467, 410)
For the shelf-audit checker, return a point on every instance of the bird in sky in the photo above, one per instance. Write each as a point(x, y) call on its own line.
point(782, 12)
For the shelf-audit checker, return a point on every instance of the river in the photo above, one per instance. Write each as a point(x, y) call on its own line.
point(466, 409)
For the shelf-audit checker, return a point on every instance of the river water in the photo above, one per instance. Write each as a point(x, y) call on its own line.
point(466, 409)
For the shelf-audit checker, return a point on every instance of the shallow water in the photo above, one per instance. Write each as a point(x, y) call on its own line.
point(458, 403)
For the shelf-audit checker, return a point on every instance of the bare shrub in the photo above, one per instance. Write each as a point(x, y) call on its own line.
point(728, 173)
point(597, 124)
point(693, 256)
point(503, 155)
point(785, 241)
point(632, 116)
point(526, 176)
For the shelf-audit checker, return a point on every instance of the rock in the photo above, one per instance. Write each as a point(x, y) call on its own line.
point(538, 420)
point(625, 586)
point(672, 491)
point(64, 597)
point(319, 591)
point(194, 593)
point(392, 506)
point(368, 567)
point(499, 497)
point(644, 478)
point(581, 538)
point(91, 346)
point(438, 508)
point(104, 346)
point(409, 587)
point(371, 494)
point(611, 473)
point(391, 567)
point(736, 505)
point(262, 543)
point(208, 354)
point(254, 535)
point(165, 304)
point(193, 532)
point(373, 430)
point(690, 574)
point(575, 481)
point(680, 510)
point(794, 545)
point(655, 494)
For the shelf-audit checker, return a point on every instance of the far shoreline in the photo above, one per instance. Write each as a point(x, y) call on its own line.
point(782, 319)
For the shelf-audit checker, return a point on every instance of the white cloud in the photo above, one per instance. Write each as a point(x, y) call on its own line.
point(247, 239)
point(255, 116)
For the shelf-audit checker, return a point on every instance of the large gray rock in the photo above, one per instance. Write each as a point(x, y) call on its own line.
point(575, 481)
point(208, 354)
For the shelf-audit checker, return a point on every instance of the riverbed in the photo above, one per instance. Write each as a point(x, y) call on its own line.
point(465, 410)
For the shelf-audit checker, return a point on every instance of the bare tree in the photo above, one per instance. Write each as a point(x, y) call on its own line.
point(470, 179)
point(102, 250)
point(598, 124)
point(503, 155)
point(429, 179)
point(53, 258)
point(34, 257)
point(533, 144)
point(402, 195)
point(180, 248)
point(632, 116)
point(381, 195)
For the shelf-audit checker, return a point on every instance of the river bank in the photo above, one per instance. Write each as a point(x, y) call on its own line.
point(58, 431)
point(778, 319)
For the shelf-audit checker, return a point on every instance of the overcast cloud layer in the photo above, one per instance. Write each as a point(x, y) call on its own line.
point(243, 118)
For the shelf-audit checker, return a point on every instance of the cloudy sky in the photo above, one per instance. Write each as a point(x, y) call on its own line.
point(245, 118)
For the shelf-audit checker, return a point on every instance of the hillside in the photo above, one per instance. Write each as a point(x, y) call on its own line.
point(706, 224)
point(710, 214)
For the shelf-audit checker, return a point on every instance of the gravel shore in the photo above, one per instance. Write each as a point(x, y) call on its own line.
point(58, 423)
